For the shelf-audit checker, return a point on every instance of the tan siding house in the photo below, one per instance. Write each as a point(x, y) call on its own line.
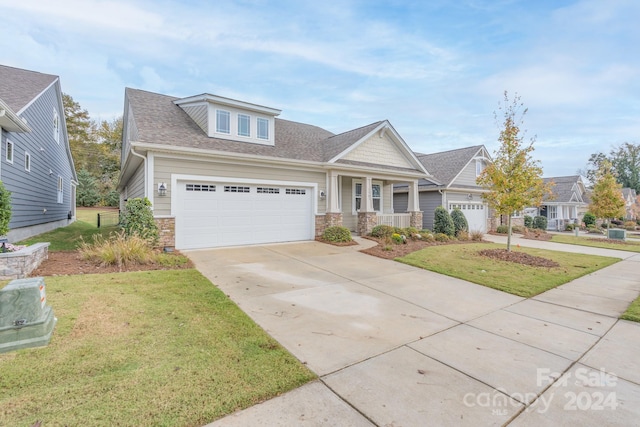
point(223, 172)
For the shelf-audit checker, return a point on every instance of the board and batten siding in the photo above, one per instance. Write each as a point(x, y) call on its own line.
point(34, 193)
point(429, 201)
point(164, 167)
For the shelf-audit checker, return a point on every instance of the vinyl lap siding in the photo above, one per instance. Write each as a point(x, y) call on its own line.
point(467, 176)
point(164, 167)
point(34, 198)
point(198, 114)
point(135, 186)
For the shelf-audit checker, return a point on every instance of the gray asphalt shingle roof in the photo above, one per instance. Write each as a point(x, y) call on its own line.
point(18, 87)
point(160, 121)
point(562, 189)
point(446, 165)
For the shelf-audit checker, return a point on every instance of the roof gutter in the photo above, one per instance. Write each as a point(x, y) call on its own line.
point(10, 120)
point(144, 160)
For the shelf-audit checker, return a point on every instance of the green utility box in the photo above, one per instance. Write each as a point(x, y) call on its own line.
point(25, 319)
point(617, 233)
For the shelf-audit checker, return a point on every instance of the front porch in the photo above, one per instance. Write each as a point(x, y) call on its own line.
point(559, 215)
point(362, 202)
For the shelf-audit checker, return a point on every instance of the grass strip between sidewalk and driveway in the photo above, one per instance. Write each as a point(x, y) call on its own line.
point(463, 262)
point(145, 348)
point(627, 245)
point(633, 312)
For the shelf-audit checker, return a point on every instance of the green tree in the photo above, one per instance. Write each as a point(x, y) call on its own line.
point(87, 192)
point(79, 131)
point(625, 160)
point(442, 222)
point(514, 179)
point(137, 219)
point(5, 209)
point(606, 198)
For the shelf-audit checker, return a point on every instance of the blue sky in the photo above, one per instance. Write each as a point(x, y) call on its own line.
point(435, 69)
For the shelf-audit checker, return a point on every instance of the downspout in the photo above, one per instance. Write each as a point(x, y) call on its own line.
point(144, 159)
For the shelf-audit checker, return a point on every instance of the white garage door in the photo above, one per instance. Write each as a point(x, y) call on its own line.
point(476, 214)
point(223, 214)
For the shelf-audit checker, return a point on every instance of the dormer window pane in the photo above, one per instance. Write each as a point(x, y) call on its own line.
point(222, 121)
point(263, 128)
point(244, 122)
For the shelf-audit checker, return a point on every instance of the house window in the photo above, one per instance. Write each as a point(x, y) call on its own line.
point(60, 189)
point(263, 128)
point(56, 126)
point(552, 212)
point(376, 194)
point(223, 119)
point(244, 125)
point(9, 152)
point(479, 167)
point(27, 161)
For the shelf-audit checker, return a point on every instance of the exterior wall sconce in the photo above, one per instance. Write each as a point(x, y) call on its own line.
point(162, 189)
point(469, 196)
point(323, 195)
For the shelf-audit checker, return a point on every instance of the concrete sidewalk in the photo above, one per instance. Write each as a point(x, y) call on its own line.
point(396, 345)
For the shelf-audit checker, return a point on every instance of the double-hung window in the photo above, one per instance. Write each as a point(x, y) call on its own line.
point(56, 126)
point(223, 119)
point(479, 167)
point(244, 125)
point(9, 152)
point(376, 195)
point(60, 189)
point(553, 212)
point(263, 128)
point(27, 161)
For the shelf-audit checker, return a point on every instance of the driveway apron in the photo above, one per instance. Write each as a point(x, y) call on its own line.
point(396, 345)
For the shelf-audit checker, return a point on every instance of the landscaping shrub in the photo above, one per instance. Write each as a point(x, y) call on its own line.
point(540, 222)
point(337, 234)
point(528, 221)
point(569, 227)
point(137, 220)
point(463, 235)
point(477, 236)
point(410, 232)
point(459, 221)
point(442, 222)
point(427, 237)
point(502, 229)
point(589, 219)
point(118, 249)
point(398, 238)
point(630, 225)
point(517, 229)
point(382, 231)
point(441, 237)
point(5, 209)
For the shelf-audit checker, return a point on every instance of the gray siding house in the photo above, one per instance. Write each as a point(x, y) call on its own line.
point(567, 203)
point(224, 172)
point(452, 185)
point(35, 158)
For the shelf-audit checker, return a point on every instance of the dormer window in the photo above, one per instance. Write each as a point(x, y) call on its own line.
point(244, 125)
point(223, 121)
point(263, 128)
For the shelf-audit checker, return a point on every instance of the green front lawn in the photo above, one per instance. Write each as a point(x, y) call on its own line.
point(628, 245)
point(464, 262)
point(68, 238)
point(633, 312)
point(145, 348)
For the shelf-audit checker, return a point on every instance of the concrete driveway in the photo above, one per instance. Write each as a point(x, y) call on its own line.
point(396, 345)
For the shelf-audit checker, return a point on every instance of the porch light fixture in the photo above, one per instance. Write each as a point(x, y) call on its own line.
point(162, 189)
point(322, 195)
point(469, 196)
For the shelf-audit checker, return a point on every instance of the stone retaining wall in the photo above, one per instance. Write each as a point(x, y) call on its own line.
point(18, 265)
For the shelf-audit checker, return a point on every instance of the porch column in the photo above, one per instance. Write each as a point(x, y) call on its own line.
point(334, 202)
point(367, 218)
point(333, 215)
point(413, 206)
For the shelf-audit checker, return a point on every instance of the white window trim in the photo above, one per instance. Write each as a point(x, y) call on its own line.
point(60, 189)
point(218, 129)
point(479, 167)
point(266, 123)
point(242, 116)
point(6, 152)
point(56, 126)
point(27, 161)
point(549, 212)
point(353, 198)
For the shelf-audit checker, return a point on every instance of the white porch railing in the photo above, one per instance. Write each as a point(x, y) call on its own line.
point(401, 220)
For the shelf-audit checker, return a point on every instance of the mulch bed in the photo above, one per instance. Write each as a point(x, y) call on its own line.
point(62, 263)
point(518, 257)
point(396, 251)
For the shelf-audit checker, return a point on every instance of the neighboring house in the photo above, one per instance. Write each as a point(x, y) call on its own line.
point(567, 203)
point(35, 163)
point(629, 195)
point(453, 185)
point(223, 172)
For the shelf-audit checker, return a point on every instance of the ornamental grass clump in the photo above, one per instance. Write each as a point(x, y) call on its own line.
point(119, 249)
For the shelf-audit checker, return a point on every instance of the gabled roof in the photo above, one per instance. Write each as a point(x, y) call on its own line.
point(629, 193)
point(566, 189)
point(160, 121)
point(447, 165)
point(19, 87)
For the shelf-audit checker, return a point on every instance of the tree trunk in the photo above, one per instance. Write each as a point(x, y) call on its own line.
point(509, 233)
